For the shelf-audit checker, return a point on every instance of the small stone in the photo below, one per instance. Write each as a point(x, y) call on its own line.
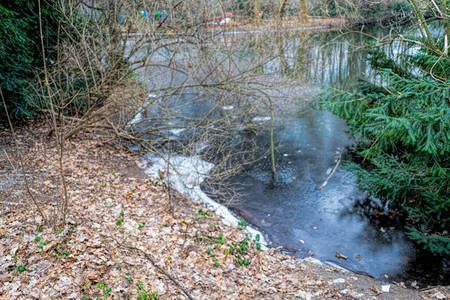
point(385, 288)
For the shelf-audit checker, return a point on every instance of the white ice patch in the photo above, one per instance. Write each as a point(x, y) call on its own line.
point(200, 146)
point(329, 171)
point(137, 118)
point(228, 107)
point(189, 173)
point(151, 95)
point(177, 131)
point(260, 119)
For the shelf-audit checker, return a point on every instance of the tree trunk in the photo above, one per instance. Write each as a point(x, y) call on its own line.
point(303, 12)
point(445, 12)
point(424, 29)
point(325, 9)
point(282, 10)
point(257, 13)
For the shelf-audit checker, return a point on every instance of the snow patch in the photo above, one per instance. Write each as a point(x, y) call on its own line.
point(260, 119)
point(185, 175)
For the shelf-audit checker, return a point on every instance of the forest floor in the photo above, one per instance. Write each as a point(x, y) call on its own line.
point(114, 209)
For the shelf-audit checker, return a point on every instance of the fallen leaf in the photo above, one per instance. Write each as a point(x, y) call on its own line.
point(375, 290)
point(92, 277)
point(49, 246)
point(339, 255)
point(310, 253)
point(358, 257)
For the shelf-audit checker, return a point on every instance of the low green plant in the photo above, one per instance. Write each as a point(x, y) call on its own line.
point(242, 262)
point(216, 262)
point(37, 239)
point(140, 227)
point(202, 212)
point(143, 294)
point(21, 268)
point(105, 290)
point(241, 223)
point(220, 240)
point(41, 245)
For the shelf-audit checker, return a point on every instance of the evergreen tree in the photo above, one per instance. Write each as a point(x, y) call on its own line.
point(20, 49)
point(402, 125)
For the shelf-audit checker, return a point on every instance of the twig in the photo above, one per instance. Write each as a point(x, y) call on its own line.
point(332, 172)
point(154, 263)
point(10, 162)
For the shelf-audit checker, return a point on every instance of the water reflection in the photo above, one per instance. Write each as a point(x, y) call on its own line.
point(336, 58)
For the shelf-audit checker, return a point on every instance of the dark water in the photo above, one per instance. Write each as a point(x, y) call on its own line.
point(337, 218)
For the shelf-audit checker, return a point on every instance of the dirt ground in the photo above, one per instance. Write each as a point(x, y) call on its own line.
point(118, 218)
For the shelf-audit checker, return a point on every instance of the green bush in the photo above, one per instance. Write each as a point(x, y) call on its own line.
point(20, 50)
point(403, 133)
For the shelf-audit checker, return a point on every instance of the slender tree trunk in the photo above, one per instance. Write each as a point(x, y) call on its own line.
point(303, 12)
point(282, 10)
point(324, 8)
point(425, 31)
point(257, 13)
point(445, 12)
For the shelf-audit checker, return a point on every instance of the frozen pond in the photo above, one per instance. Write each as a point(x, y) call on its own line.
point(337, 222)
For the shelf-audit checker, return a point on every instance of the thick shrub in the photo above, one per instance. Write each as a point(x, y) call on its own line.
point(20, 50)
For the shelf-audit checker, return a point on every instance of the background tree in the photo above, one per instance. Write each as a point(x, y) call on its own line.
point(303, 11)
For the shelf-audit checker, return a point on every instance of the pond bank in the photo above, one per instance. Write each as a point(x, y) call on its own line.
point(105, 181)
